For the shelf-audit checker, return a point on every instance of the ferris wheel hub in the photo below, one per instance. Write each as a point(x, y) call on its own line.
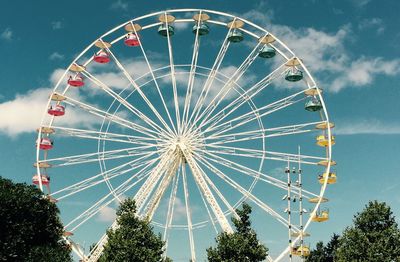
point(191, 141)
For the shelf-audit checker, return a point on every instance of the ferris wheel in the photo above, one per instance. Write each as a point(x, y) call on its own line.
point(190, 112)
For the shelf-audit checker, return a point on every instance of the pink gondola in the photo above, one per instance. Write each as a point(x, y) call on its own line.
point(45, 143)
point(131, 39)
point(45, 180)
point(101, 57)
point(57, 110)
point(76, 80)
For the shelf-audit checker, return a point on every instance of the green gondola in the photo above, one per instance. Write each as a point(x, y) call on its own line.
point(294, 75)
point(313, 105)
point(204, 29)
point(164, 31)
point(235, 36)
point(267, 52)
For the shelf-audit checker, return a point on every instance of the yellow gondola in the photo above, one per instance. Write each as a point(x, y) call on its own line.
point(323, 140)
point(316, 200)
point(321, 216)
point(331, 178)
point(301, 251)
point(297, 234)
point(325, 163)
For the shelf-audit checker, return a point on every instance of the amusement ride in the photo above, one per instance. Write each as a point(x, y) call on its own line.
point(190, 112)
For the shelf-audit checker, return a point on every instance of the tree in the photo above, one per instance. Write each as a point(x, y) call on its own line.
point(30, 229)
point(133, 240)
point(242, 245)
point(318, 254)
point(323, 253)
point(331, 247)
point(375, 236)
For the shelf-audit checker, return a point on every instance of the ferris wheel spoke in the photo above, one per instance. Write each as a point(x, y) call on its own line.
point(151, 182)
point(170, 210)
point(108, 199)
point(259, 113)
point(102, 203)
point(105, 136)
point(231, 81)
point(210, 79)
point(220, 195)
point(243, 98)
point(173, 78)
point(246, 193)
point(270, 155)
point(137, 89)
point(266, 132)
point(96, 252)
point(199, 177)
point(154, 79)
point(94, 157)
point(193, 66)
point(208, 209)
point(103, 177)
point(154, 202)
point(112, 117)
point(122, 101)
point(256, 174)
point(188, 214)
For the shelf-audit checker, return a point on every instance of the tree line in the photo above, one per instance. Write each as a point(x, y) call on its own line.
point(30, 230)
point(373, 236)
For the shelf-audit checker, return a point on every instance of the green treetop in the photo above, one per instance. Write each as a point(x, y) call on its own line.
point(133, 240)
point(375, 236)
point(30, 229)
point(242, 245)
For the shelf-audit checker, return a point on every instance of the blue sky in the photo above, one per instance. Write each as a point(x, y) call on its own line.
point(350, 47)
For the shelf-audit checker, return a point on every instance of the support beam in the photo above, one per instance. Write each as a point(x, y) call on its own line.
point(199, 178)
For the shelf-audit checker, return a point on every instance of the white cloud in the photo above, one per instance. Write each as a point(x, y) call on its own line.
point(56, 56)
point(56, 75)
point(112, 79)
point(24, 112)
point(372, 23)
point(56, 25)
point(119, 4)
point(180, 209)
point(115, 78)
point(363, 71)
point(370, 126)
point(337, 11)
point(263, 18)
point(107, 214)
point(360, 3)
point(326, 55)
point(224, 73)
point(7, 34)
point(181, 26)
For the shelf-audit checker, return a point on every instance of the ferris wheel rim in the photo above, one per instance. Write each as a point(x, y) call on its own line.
point(323, 188)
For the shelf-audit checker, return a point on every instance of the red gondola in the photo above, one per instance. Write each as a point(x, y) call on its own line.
point(76, 80)
point(101, 57)
point(45, 180)
point(45, 143)
point(57, 110)
point(131, 39)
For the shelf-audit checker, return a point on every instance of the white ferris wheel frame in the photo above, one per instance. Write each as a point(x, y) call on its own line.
point(220, 215)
